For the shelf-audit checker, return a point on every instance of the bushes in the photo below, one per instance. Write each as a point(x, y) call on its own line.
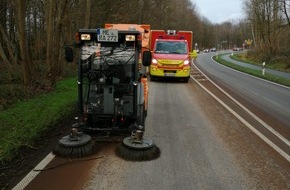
point(13, 91)
point(23, 123)
point(278, 62)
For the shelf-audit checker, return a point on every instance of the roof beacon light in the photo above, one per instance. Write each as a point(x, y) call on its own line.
point(132, 28)
point(171, 32)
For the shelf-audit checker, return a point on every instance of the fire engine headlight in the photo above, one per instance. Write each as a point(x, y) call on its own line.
point(130, 38)
point(186, 62)
point(85, 37)
point(154, 61)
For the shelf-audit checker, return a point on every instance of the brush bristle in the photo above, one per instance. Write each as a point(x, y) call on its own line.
point(130, 154)
point(75, 152)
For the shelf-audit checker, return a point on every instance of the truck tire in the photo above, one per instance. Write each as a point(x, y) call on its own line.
point(186, 79)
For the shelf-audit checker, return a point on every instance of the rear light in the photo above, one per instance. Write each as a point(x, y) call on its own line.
point(77, 38)
point(186, 62)
point(154, 61)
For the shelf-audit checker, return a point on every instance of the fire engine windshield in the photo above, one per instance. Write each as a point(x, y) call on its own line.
point(171, 47)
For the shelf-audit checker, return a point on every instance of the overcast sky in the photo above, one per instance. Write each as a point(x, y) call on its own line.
point(218, 11)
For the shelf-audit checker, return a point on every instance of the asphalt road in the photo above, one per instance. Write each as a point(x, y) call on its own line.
point(270, 98)
point(202, 147)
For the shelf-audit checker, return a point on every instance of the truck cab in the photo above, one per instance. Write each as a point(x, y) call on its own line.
point(170, 54)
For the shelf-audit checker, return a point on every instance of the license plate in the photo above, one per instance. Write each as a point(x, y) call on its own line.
point(106, 35)
point(169, 74)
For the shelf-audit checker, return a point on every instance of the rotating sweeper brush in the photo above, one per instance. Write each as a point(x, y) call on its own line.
point(75, 145)
point(138, 148)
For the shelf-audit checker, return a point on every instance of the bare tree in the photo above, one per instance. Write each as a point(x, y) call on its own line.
point(285, 8)
point(49, 34)
point(87, 13)
point(264, 16)
point(25, 58)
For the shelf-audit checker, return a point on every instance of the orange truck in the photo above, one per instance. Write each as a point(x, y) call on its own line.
point(145, 31)
point(171, 54)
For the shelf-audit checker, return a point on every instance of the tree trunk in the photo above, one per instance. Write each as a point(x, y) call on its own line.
point(87, 13)
point(49, 41)
point(26, 62)
point(7, 56)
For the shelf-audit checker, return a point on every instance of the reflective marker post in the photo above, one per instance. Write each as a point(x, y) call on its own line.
point(263, 68)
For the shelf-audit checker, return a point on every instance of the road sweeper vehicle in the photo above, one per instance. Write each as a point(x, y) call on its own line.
point(170, 54)
point(110, 94)
point(110, 90)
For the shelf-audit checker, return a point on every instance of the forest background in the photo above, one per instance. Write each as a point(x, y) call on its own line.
point(34, 33)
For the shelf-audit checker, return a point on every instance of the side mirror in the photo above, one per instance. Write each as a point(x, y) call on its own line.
point(193, 54)
point(69, 55)
point(146, 58)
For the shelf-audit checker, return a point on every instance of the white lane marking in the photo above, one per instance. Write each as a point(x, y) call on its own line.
point(275, 147)
point(33, 173)
point(282, 138)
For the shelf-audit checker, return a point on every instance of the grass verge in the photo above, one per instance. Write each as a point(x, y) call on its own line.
point(22, 124)
point(254, 72)
point(279, 66)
